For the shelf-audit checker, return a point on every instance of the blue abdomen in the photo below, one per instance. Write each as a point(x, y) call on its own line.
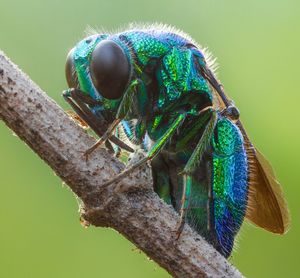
point(229, 183)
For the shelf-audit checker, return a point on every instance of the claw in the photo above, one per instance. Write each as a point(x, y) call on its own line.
point(179, 229)
point(105, 137)
point(85, 155)
point(94, 147)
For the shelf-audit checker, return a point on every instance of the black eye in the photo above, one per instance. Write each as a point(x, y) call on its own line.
point(109, 69)
point(71, 75)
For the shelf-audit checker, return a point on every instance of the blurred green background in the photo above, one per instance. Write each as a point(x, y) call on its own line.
point(257, 45)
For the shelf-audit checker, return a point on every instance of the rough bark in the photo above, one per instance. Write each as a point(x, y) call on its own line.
point(134, 209)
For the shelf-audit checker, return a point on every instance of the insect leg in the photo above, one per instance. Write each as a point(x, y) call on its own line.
point(80, 96)
point(192, 164)
point(202, 145)
point(78, 101)
point(210, 200)
point(97, 124)
point(123, 109)
point(103, 139)
point(186, 193)
point(152, 152)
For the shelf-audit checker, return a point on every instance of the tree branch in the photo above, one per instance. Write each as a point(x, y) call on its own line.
point(135, 210)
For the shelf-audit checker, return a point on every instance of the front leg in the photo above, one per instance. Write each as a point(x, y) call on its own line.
point(124, 108)
point(191, 165)
point(78, 101)
point(156, 148)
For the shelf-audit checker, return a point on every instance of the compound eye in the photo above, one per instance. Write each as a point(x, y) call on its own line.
point(71, 75)
point(110, 70)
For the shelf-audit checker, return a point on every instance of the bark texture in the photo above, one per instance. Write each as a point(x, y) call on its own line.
point(131, 207)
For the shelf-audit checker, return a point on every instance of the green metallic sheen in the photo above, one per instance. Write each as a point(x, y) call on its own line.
point(159, 144)
point(167, 109)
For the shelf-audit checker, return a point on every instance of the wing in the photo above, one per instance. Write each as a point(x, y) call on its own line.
point(267, 207)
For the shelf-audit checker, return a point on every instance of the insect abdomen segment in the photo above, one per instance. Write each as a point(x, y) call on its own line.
point(229, 183)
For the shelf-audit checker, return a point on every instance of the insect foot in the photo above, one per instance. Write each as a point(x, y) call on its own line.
point(179, 228)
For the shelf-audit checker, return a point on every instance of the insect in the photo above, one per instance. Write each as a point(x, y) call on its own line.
point(153, 88)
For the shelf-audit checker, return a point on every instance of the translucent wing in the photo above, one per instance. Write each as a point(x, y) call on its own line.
point(266, 204)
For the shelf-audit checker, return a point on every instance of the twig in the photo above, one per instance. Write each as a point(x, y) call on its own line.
point(138, 213)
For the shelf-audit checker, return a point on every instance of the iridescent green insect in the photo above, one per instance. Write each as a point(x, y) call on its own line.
point(155, 88)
